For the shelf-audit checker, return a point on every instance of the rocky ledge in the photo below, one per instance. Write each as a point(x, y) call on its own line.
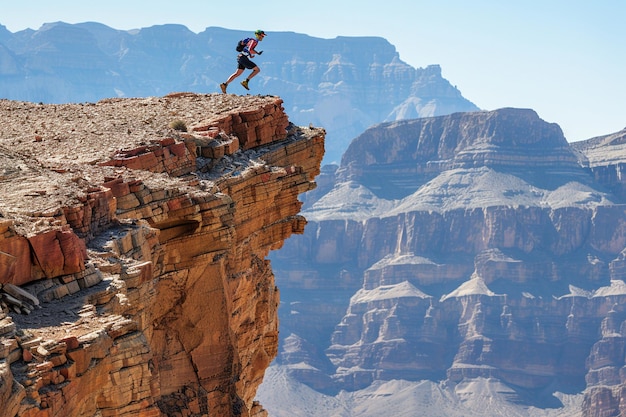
point(133, 243)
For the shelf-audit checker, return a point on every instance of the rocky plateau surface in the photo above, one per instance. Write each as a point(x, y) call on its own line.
point(134, 236)
point(474, 246)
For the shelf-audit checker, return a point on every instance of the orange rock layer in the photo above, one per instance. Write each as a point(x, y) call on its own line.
point(155, 295)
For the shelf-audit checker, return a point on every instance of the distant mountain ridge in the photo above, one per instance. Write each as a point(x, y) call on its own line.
point(344, 84)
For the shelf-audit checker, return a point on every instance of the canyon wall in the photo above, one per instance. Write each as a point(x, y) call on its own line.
point(134, 236)
point(464, 247)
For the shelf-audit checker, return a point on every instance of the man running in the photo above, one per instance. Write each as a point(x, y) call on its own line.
point(244, 61)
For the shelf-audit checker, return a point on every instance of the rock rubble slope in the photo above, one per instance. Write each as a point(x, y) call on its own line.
point(133, 243)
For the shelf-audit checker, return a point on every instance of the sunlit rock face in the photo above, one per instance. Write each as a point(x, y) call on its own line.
point(134, 236)
point(474, 245)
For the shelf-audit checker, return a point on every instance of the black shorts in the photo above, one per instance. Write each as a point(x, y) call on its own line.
point(244, 62)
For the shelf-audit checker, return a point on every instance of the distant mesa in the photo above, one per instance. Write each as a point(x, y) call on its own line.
point(464, 248)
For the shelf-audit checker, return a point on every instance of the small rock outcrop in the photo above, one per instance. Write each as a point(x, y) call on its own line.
point(133, 242)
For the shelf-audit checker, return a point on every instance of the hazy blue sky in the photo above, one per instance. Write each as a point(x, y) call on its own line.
point(564, 59)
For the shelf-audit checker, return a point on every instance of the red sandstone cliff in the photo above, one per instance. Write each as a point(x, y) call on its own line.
point(133, 255)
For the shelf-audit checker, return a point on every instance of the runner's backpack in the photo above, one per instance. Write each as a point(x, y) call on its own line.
point(242, 44)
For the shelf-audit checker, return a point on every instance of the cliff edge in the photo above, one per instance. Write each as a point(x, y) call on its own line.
point(133, 243)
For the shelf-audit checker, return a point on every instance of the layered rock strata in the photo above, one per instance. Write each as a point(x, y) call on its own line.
point(604, 156)
point(606, 384)
point(133, 242)
point(467, 246)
